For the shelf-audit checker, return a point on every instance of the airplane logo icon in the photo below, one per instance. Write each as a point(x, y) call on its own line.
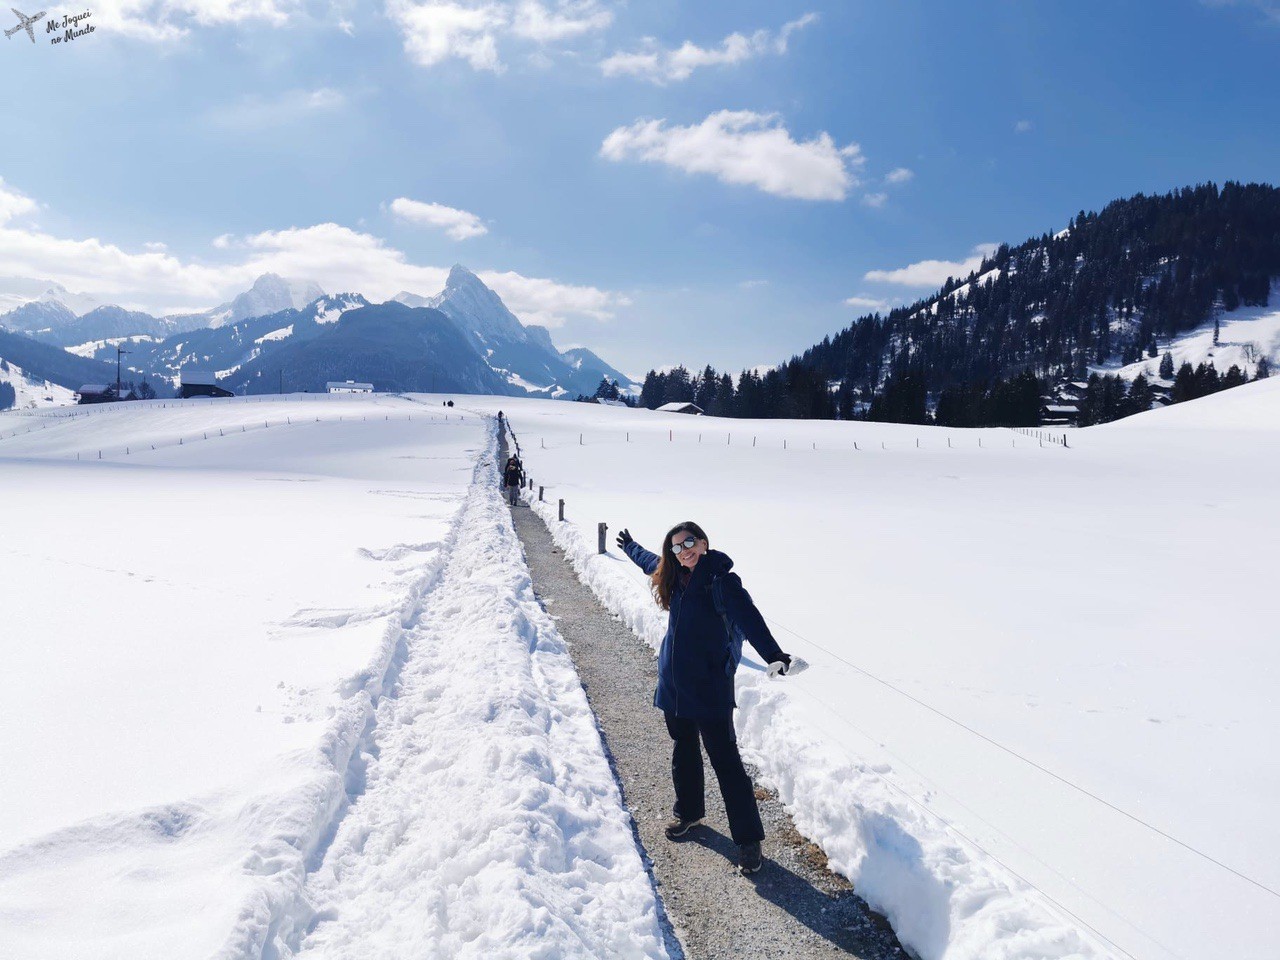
point(26, 23)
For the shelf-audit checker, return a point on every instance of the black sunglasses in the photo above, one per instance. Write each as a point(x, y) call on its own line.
point(688, 543)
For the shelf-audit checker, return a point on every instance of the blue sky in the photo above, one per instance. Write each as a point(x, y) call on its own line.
point(717, 204)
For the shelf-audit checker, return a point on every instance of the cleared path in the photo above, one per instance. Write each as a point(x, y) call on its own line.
point(794, 907)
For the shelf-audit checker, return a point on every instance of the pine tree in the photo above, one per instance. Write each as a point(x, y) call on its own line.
point(1263, 370)
point(1166, 366)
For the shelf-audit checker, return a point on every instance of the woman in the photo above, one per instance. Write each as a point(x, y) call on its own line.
point(512, 477)
point(706, 604)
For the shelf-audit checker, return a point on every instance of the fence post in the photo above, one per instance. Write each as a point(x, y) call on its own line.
point(784, 444)
point(600, 536)
point(540, 494)
point(669, 437)
point(855, 444)
point(562, 508)
point(579, 439)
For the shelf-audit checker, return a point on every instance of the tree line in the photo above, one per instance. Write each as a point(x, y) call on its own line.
point(986, 347)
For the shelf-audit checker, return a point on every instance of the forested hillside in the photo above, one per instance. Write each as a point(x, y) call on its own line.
point(1109, 288)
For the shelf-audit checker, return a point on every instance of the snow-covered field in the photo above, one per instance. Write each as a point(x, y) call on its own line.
point(219, 634)
point(1037, 722)
point(1043, 690)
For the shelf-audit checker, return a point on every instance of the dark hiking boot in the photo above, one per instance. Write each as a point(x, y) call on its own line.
point(677, 828)
point(749, 859)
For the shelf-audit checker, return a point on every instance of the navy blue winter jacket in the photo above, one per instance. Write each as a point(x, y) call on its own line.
point(695, 679)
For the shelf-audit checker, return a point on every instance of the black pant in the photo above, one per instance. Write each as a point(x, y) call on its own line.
point(735, 786)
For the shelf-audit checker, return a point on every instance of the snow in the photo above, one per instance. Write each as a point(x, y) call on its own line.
point(282, 334)
point(1037, 725)
point(90, 348)
point(1013, 705)
point(198, 634)
point(327, 312)
point(30, 394)
point(1244, 336)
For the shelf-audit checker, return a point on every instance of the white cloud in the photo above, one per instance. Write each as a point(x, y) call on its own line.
point(458, 224)
point(14, 204)
point(434, 32)
point(932, 273)
point(534, 21)
point(1022, 126)
point(548, 303)
point(753, 284)
point(339, 258)
point(742, 147)
point(899, 175)
point(876, 200)
point(256, 112)
point(162, 21)
point(666, 66)
point(155, 246)
point(863, 302)
point(437, 30)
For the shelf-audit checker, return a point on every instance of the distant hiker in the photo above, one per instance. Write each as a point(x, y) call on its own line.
point(512, 477)
point(707, 606)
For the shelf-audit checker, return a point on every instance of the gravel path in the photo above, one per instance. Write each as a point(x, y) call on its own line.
point(793, 908)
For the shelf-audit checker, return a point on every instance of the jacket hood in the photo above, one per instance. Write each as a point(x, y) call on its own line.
point(717, 563)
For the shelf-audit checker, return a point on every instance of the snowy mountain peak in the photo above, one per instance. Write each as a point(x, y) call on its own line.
point(269, 294)
point(78, 303)
point(474, 307)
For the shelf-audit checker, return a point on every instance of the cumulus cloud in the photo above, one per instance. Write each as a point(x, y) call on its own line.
point(898, 175)
point(457, 224)
point(437, 30)
point(162, 21)
point(864, 302)
point(535, 21)
point(1022, 126)
point(14, 204)
point(876, 200)
point(434, 32)
point(668, 66)
point(742, 147)
point(932, 273)
point(338, 257)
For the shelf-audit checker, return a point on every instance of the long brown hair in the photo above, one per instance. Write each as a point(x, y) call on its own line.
point(663, 580)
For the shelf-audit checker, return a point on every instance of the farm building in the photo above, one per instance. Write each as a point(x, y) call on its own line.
point(678, 407)
point(200, 383)
point(348, 386)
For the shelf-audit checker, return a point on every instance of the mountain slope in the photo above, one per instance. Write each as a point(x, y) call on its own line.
point(1109, 287)
point(395, 347)
point(524, 357)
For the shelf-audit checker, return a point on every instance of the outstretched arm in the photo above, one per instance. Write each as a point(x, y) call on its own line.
point(642, 558)
point(741, 609)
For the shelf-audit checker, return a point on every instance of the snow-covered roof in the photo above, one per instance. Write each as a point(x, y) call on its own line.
point(349, 385)
point(610, 403)
point(96, 388)
point(678, 407)
point(1061, 408)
